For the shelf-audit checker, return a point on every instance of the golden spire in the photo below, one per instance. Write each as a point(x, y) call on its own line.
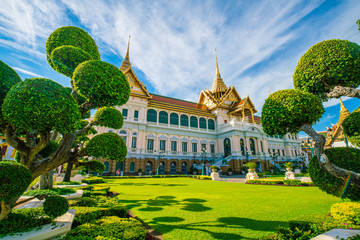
point(218, 86)
point(342, 105)
point(126, 63)
point(217, 66)
point(343, 112)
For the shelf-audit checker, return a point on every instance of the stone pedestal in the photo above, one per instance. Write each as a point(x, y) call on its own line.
point(252, 176)
point(77, 178)
point(215, 176)
point(289, 175)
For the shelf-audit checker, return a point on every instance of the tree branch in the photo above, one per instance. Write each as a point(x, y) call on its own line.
point(340, 91)
point(337, 172)
point(85, 129)
point(13, 140)
point(324, 162)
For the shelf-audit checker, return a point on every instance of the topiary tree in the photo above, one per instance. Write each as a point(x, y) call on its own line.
point(329, 69)
point(55, 206)
point(37, 110)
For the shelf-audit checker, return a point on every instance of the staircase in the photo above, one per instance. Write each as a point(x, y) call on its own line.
point(222, 161)
point(276, 165)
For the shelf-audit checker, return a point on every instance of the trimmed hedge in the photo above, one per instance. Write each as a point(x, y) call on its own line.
point(109, 228)
point(285, 111)
point(23, 220)
point(343, 157)
point(87, 214)
point(107, 145)
point(8, 78)
point(14, 179)
point(55, 108)
point(266, 182)
point(91, 180)
point(346, 212)
point(328, 64)
point(50, 192)
point(103, 84)
point(109, 117)
point(68, 183)
point(56, 206)
point(292, 182)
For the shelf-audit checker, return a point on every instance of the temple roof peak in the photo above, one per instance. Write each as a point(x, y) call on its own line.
point(218, 85)
point(126, 63)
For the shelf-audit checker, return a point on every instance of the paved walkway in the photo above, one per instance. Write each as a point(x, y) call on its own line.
point(233, 178)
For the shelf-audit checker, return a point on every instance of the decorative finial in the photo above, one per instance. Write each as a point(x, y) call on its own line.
point(127, 52)
point(342, 105)
point(217, 66)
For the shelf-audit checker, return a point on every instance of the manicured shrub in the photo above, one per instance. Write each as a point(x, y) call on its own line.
point(86, 193)
point(87, 214)
point(346, 212)
point(23, 220)
point(66, 58)
point(94, 165)
point(8, 78)
point(107, 145)
point(293, 182)
point(308, 184)
point(328, 64)
point(96, 80)
point(285, 111)
point(14, 179)
point(266, 182)
point(56, 206)
point(50, 192)
point(109, 117)
point(85, 202)
point(54, 107)
point(91, 180)
point(343, 157)
point(70, 36)
point(68, 183)
point(109, 228)
point(205, 178)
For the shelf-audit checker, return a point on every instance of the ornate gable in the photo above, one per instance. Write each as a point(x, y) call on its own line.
point(137, 87)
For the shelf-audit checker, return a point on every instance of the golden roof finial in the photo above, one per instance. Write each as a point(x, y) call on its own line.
point(218, 85)
point(342, 105)
point(217, 66)
point(126, 63)
point(127, 52)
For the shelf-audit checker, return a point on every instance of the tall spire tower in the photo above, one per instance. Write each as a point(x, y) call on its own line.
point(126, 63)
point(218, 87)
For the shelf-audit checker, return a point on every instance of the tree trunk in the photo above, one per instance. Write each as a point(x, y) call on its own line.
point(46, 180)
point(5, 210)
point(68, 172)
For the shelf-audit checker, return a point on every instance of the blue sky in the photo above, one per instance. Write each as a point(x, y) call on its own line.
point(172, 42)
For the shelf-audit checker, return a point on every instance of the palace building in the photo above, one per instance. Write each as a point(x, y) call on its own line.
point(177, 135)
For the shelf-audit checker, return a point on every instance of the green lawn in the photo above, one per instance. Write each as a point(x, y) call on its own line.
point(184, 208)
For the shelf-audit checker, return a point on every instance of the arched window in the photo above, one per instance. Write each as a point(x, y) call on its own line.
point(148, 168)
point(211, 124)
point(184, 120)
point(202, 123)
point(163, 117)
point(107, 165)
point(162, 168)
point(242, 147)
point(151, 115)
point(252, 146)
point(193, 122)
point(119, 166)
point(174, 119)
point(132, 167)
point(173, 168)
point(184, 168)
point(227, 147)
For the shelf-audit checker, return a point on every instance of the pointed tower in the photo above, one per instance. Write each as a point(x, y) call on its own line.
point(126, 63)
point(137, 87)
point(218, 88)
point(338, 134)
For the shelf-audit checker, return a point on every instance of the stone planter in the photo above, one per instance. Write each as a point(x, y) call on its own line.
point(252, 170)
point(139, 173)
point(289, 169)
point(230, 173)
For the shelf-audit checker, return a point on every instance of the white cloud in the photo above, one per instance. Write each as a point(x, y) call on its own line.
point(28, 72)
point(173, 41)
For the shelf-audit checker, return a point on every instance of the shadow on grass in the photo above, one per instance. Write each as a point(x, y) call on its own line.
point(140, 184)
point(168, 224)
